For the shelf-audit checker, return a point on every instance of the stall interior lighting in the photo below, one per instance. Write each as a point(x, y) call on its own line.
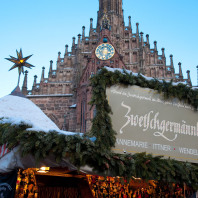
point(43, 169)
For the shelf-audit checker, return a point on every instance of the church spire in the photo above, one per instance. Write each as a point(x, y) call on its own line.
point(113, 10)
point(114, 6)
point(24, 87)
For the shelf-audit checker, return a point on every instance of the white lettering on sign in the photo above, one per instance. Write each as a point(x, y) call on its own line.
point(150, 121)
point(161, 147)
point(188, 151)
point(149, 98)
point(132, 143)
point(147, 122)
point(155, 146)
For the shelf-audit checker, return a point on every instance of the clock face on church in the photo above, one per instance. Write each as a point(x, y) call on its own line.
point(105, 51)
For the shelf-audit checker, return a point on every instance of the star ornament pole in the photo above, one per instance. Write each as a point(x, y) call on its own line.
point(20, 69)
point(19, 78)
point(20, 63)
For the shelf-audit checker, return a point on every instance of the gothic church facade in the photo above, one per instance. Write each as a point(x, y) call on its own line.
point(64, 94)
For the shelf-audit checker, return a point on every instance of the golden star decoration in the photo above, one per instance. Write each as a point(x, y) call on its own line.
point(20, 62)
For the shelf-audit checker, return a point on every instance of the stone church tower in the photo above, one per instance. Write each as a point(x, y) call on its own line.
point(64, 94)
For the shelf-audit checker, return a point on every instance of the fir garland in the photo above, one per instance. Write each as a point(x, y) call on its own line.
point(82, 151)
point(146, 166)
point(102, 126)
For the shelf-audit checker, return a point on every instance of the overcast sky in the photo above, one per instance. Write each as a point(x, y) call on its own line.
point(44, 27)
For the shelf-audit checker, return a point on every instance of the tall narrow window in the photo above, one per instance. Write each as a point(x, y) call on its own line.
point(83, 121)
point(109, 5)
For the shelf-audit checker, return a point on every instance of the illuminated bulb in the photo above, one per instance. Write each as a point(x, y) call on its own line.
point(43, 169)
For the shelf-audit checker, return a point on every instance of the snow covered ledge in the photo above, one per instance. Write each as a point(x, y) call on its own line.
point(136, 74)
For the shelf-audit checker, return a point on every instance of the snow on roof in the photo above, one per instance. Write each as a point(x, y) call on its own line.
point(195, 88)
point(16, 110)
point(120, 70)
point(136, 74)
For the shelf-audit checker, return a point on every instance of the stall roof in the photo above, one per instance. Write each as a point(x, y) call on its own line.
point(16, 110)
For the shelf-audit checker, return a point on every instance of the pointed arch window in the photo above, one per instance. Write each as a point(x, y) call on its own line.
point(83, 120)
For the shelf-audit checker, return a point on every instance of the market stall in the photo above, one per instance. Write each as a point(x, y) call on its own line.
point(76, 160)
point(19, 115)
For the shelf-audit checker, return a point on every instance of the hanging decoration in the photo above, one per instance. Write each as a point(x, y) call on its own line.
point(26, 185)
point(113, 187)
point(20, 62)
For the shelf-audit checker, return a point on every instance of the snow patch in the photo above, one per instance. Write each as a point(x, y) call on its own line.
point(17, 110)
point(73, 106)
point(136, 74)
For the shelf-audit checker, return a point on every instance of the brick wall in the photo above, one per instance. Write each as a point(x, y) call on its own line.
point(58, 109)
